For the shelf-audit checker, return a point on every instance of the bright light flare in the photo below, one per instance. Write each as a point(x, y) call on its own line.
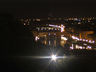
point(53, 57)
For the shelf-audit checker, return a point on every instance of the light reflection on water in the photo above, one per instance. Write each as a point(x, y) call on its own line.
point(73, 41)
point(52, 41)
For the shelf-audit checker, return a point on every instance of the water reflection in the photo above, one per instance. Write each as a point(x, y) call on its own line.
point(60, 39)
point(54, 41)
point(75, 46)
point(62, 43)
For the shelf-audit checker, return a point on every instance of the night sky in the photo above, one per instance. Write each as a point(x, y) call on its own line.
point(48, 7)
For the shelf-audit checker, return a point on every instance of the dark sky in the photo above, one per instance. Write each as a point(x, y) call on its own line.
point(48, 7)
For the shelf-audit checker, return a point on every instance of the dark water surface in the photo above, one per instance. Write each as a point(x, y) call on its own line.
point(23, 58)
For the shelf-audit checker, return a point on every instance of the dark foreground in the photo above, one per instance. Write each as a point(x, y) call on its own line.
point(20, 58)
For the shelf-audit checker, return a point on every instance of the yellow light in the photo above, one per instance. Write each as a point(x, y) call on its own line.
point(63, 38)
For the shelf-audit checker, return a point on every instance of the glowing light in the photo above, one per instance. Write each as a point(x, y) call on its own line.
point(24, 24)
point(37, 19)
point(53, 57)
point(93, 41)
point(49, 42)
point(63, 38)
point(76, 38)
point(79, 47)
point(62, 28)
point(89, 47)
point(36, 38)
point(71, 47)
point(89, 41)
point(54, 25)
point(73, 37)
point(80, 39)
point(85, 44)
point(62, 42)
point(84, 40)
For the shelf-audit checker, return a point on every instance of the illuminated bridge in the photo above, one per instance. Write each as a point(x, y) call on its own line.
point(51, 30)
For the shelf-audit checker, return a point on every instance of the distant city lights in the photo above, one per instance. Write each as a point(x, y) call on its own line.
point(76, 38)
